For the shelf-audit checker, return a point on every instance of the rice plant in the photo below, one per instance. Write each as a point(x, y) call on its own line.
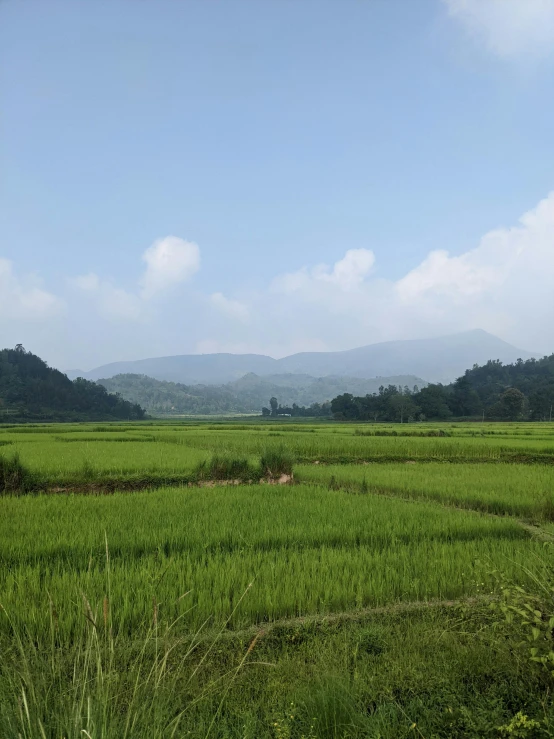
point(309, 610)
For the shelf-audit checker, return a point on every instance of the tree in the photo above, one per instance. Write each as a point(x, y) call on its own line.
point(402, 407)
point(512, 401)
point(274, 404)
point(343, 406)
point(523, 389)
point(465, 400)
point(541, 402)
point(433, 402)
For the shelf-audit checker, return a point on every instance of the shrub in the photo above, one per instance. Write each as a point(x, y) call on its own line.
point(87, 471)
point(546, 507)
point(333, 484)
point(14, 477)
point(276, 462)
point(222, 467)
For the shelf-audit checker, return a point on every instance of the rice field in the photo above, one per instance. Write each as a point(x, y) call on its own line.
point(192, 607)
point(526, 491)
point(58, 461)
point(58, 454)
point(306, 551)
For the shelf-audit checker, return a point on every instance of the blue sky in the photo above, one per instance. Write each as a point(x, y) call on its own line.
point(273, 175)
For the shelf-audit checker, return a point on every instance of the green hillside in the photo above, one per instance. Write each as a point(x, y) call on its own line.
point(495, 391)
point(31, 390)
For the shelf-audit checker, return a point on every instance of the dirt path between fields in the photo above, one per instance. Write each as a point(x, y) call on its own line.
point(109, 487)
point(262, 629)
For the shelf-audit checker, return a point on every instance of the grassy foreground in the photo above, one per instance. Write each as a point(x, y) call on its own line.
point(366, 600)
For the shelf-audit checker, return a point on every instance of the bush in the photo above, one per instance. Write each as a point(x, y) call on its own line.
point(276, 462)
point(222, 467)
point(14, 477)
point(546, 507)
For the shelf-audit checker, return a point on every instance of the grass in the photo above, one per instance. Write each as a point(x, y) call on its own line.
point(353, 603)
point(308, 550)
point(57, 462)
point(518, 490)
point(450, 674)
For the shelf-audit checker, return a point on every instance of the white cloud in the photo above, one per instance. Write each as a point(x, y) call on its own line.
point(508, 27)
point(351, 270)
point(455, 278)
point(346, 274)
point(88, 283)
point(118, 303)
point(23, 299)
point(169, 261)
point(228, 306)
point(111, 301)
point(504, 285)
point(505, 258)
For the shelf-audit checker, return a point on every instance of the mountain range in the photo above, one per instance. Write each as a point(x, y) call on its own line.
point(441, 359)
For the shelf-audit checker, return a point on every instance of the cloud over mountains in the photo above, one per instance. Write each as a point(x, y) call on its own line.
point(504, 284)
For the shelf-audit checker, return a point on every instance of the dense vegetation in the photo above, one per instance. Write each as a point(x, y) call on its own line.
point(523, 390)
point(313, 411)
point(303, 393)
point(31, 390)
point(167, 398)
point(370, 598)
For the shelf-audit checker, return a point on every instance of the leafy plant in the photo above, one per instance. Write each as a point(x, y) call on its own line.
point(14, 477)
point(276, 461)
point(532, 616)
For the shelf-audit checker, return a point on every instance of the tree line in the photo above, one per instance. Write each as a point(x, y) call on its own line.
point(312, 411)
point(520, 391)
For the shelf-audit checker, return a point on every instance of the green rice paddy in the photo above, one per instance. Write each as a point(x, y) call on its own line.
point(353, 601)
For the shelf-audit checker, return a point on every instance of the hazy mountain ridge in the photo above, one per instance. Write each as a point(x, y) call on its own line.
point(441, 359)
point(249, 393)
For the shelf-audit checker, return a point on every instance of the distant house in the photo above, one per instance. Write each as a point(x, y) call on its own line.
point(288, 415)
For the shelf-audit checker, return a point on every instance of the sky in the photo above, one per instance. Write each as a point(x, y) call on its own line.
point(273, 176)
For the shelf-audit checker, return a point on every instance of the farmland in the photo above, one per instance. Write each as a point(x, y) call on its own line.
point(153, 582)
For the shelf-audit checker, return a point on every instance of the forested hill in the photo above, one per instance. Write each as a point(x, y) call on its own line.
point(161, 397)
point(522, 390)
point(31, 390)
point(246, 395)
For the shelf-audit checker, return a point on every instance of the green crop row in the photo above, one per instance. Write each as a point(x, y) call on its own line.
point(518, 490)
point(306, 549)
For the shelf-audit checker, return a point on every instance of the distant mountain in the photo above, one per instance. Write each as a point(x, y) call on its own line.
point(437, 360)
point(249, 393)
point(191, 369)
point(441, 359)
